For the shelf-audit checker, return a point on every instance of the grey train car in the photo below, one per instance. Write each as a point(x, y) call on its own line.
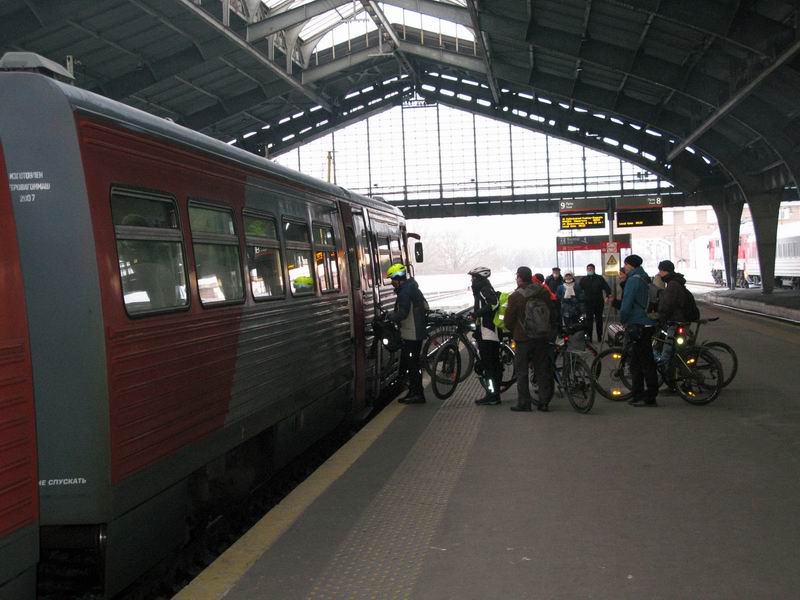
point(197, 315)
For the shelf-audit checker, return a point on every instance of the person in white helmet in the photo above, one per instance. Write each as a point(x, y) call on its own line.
point(486, 303)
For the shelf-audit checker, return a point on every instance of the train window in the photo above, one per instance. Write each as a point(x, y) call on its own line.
point(352, 257)
point(260, 227)
point(366, 253)
point(263, 257)
point(325, 258)
point(301, 276)
point(323, 236)
point(216, 255)
point(384, 256)
point(150, 250)
point(132, 210)
point(295, 232)
point(299, 258)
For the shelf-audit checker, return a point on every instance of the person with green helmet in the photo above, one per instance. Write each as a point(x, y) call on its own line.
point(409, 313)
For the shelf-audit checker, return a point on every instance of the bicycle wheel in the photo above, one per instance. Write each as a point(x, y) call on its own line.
point(578, 384)
point(726, 357)
point(698, 375)
point(436, 341)
point(446, 370)
point(509, 372)
point(611, 375)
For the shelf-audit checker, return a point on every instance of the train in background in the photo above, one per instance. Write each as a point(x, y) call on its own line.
point(181, 318)
point(787, 257)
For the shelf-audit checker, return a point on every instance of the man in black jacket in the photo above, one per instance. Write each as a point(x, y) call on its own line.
point(595, 291)
point(409, 313)
point(486, 303)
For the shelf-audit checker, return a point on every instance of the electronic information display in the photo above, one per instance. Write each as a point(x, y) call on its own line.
point(583, 220)
point(639, 218)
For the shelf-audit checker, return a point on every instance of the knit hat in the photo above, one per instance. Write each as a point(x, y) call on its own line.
point(634, 260)
point(666, 265)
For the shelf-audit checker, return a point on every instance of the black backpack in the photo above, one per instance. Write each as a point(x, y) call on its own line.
point(388, 334)
point(690, 310)
point(537, 323)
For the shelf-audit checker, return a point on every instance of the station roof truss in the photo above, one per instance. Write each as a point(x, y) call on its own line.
point(701, 93)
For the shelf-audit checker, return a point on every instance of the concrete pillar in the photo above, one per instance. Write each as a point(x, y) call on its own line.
point(729, 217)
point(765, 208)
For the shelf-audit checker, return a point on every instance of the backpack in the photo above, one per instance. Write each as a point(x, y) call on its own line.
point(500, 313)
point(652, 293)
point(690, 310)
point(536, 323)
point(388, 334)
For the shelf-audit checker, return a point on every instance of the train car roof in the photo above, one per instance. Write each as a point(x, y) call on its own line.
point(133, 118)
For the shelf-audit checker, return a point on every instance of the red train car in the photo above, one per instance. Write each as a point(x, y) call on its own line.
point(198, 315)
point(19, 511)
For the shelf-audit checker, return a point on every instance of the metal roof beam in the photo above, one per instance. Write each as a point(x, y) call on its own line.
point(254, 53)
point(290, 18)
point(483, 41)
point(376, 14)
point(733, 101)
point(301, 14)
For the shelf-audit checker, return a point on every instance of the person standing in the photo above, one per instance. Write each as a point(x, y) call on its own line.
point(486, 302)
point(553, 282)
point(639, 333)
point(530, 317)
point(409, 313)
point(570, 298)
point(595, 291)
point(671, 305)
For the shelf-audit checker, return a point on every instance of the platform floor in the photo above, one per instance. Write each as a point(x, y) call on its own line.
point(455, 501)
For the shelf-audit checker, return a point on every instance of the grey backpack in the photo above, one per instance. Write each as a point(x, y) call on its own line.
point(537, 323)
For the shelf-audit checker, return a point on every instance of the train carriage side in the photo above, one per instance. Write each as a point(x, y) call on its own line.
point(19, 528)
point(190, 317)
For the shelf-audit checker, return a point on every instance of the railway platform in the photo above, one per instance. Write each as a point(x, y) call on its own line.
point(782, 304)
point(452, 500)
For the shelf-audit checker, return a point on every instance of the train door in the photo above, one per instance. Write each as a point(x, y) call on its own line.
point(359, 262)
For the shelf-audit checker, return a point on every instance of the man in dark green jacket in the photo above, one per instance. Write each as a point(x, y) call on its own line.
point(531, 348)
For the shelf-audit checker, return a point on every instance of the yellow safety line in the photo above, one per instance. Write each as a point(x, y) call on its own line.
point(219, 577)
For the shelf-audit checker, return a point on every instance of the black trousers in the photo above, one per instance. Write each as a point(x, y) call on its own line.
point(643, 365)
point(594, 315)
point(490, 360)
point(537, 354)
point(409, 366)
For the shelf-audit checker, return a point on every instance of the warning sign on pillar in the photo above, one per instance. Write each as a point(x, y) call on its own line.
point(611, 263)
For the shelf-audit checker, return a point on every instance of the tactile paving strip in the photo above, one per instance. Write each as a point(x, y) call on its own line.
point(382, 556)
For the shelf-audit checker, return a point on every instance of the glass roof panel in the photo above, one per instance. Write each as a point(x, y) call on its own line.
point(329, 20)
point(353, 21)
point(276, 5)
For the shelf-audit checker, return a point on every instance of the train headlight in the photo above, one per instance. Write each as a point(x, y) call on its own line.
point(616, 356)
point(385, 341)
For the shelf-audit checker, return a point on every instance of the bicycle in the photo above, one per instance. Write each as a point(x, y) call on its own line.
point(724, 353)
point(694, 371)
point(570, 371)
point(440, 328)
point(446, 366)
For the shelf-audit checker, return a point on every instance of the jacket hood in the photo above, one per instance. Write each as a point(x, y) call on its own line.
point(675, 277)
point(533, 290)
